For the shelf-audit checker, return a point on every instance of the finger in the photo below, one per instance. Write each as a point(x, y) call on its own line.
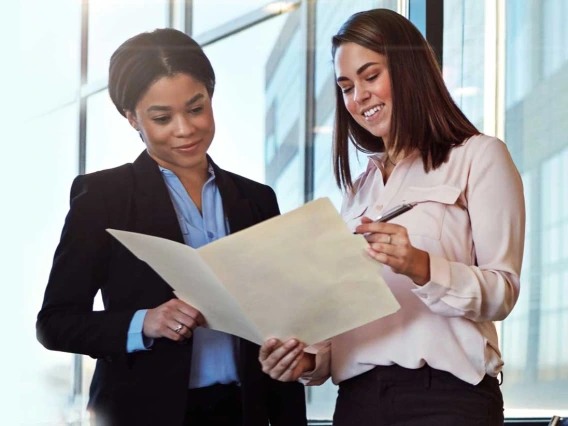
point(380, 238)
point(388, 249)
point(379, 257)
point(267, 348)
point(395, 263)
point(366, 219)
point(185, 320)
point(190, 311)
point(381, 227)
point(290, 374)
point(168, 333)
point(185, 331)
point(285, 362)
point(279, 353)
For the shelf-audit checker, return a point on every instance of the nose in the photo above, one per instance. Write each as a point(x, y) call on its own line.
point(183, 126)
point(360, 94)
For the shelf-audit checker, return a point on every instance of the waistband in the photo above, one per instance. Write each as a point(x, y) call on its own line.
point(425, 375)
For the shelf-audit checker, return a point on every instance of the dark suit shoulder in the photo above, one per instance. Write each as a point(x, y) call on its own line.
point(249, 185)
point(262, 195)
point(110, 185)
point(114, 178)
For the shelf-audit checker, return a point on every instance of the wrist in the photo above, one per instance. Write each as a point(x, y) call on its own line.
point(309, 362)
point(421, 275)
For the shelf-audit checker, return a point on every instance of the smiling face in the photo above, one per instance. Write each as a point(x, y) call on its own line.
point(175, 119)
point(364, 79)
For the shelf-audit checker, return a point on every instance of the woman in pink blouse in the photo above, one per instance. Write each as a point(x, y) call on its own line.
point(453, 261)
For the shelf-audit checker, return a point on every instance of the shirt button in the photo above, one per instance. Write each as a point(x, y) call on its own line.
point(210, 234)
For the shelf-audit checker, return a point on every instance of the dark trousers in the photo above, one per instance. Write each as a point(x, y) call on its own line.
point(217, 405)
point(397, 396)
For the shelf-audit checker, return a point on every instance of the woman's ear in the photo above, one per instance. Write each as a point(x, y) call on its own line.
point(131, 117)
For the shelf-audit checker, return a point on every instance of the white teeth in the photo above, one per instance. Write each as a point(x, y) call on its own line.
point(372, 111)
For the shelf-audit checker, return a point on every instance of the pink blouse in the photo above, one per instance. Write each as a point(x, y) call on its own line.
point(470, 218)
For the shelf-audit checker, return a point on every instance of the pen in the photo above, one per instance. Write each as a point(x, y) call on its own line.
point(394, 212)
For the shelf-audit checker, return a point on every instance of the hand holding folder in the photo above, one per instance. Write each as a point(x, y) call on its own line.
point(302, 274)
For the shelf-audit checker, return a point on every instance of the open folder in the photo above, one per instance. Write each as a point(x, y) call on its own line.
point(302, 274)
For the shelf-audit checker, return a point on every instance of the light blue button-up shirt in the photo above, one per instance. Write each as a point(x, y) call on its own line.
point(214, 353)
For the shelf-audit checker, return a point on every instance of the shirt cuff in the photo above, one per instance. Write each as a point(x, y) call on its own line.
point(136, 341)
point(439, 283)
point(321, 372)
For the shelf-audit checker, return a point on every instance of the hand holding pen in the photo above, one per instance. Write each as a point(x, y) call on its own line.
point(390, 245)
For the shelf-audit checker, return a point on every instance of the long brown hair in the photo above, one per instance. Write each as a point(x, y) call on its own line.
point(424, 115)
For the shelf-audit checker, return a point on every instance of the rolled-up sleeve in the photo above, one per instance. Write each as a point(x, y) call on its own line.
point(322, 370)
point(488, 290)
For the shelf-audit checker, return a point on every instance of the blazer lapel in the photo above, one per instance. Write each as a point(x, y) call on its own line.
point(240, 211)
point(155, 213)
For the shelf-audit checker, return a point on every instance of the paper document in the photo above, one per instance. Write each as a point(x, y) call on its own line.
point(302, 274)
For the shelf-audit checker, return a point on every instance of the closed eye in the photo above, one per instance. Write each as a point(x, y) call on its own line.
point(161, 120)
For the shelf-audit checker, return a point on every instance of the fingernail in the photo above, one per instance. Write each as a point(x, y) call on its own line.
point(291, 343)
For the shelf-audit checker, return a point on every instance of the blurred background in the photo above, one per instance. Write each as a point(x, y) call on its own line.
point(504, 61)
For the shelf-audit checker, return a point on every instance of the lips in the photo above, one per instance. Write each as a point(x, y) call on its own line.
point(369, 112)
point(187, 146)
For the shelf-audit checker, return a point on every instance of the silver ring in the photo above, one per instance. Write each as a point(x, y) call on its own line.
point(389, 240)
point(178, 328)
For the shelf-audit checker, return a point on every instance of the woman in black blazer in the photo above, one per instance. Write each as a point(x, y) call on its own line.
point(162, 82)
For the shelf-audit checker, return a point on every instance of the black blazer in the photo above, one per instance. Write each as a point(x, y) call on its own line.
point(148, 387)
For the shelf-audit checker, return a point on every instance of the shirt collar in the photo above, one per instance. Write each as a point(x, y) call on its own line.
point(210, 169)
point(377, 159)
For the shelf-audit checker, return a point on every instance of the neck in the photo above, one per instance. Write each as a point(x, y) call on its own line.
point(190, 177)
point(391, 158)
point(194, 177)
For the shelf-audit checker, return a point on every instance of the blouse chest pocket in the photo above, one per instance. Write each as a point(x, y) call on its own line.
point(428, 215)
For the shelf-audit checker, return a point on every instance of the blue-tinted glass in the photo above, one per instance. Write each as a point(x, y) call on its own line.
point(417, 14)
point(536, 101)
point(464, 60)
point(209, 14)
point(257, 106)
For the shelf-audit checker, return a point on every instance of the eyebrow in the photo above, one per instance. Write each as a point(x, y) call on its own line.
point(359, 71)
point(166, 108)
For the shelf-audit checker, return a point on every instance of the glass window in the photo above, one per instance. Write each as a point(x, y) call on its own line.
point(112, 23)
point(111, 141)
point(50, 58)
point(536, 101)
point(37, 176)
point(257, 106)
point(209, 14)
point(417, 14)
point(464, 61)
